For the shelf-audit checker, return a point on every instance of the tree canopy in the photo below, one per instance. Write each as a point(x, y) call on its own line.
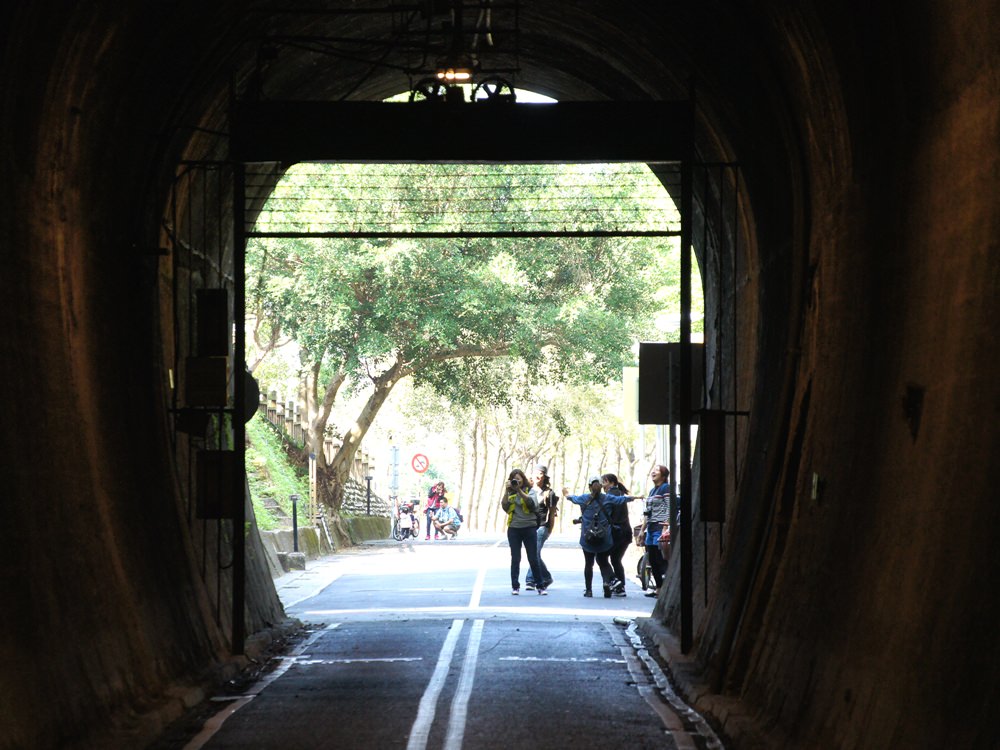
point(466, 316)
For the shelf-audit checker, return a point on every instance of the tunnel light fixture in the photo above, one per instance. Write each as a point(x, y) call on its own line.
point(455, 75)
point(456, 68)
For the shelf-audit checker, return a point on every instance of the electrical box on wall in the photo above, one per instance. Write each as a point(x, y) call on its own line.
point(212, 320)
point(215, 496)
point(206, 381)
point(660, 382)
point(712, 457)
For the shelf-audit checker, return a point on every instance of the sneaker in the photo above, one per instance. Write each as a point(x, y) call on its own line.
point(530, 586)
point(650, 593)
point(618, 593)
point(588, 593)
point(515, 592)
point(547, 582)
point(427, 538)
point(542, 591)
point(607, 592)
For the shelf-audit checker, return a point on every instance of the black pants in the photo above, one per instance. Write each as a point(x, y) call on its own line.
point(528, 538)
point(602, 563)
point(657, 565)
point(617, 553)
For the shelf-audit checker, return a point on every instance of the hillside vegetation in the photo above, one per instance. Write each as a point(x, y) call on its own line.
point(271, 476)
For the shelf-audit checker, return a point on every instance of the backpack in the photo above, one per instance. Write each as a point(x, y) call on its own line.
point(543, 507)
point(541, 512)
point(596, 532)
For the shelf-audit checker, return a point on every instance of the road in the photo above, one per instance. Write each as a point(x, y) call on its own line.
point(421, 645)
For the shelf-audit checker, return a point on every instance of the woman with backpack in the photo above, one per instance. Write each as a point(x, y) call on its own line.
point(546, 508)
point(595, 532)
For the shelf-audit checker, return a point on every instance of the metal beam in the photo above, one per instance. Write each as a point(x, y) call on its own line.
point(458, 234)
point(443, 132)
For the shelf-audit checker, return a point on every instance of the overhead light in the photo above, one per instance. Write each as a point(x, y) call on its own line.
point(455, 75)
point(458, 67)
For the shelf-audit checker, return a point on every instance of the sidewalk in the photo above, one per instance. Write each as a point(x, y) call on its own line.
point(299, 585)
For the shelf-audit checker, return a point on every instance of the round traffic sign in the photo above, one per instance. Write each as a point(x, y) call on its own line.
point(420, 463)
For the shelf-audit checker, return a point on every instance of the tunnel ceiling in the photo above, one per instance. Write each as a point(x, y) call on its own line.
point(567, 50)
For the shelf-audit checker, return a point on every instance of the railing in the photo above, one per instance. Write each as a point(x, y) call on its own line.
point(286, 416)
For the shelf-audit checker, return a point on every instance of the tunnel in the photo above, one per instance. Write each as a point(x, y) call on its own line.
point(845, 594)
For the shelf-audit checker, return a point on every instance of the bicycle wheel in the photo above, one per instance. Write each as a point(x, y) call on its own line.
point(642, 571)
point(397, 534)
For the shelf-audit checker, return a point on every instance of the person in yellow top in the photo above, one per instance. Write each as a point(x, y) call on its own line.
point(522, 523)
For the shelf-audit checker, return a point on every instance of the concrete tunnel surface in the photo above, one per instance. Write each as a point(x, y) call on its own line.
point(868, 142)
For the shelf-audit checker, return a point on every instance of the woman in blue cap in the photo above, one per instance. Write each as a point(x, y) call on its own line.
point(595, 532)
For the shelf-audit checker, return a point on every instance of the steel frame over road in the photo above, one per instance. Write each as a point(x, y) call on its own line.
point(284, 133)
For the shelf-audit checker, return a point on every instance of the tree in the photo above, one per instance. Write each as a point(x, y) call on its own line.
point(368, 313)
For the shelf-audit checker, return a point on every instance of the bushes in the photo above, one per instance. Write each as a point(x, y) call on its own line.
point(271, 475)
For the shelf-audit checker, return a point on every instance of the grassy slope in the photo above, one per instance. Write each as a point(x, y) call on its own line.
point(270, 473)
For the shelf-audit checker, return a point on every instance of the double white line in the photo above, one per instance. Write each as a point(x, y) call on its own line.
point(460, 703)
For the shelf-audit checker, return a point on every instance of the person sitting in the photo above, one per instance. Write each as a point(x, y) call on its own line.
point(446, 520)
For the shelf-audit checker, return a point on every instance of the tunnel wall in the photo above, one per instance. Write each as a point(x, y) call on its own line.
point(109, 628)
point(861, 617)
point(867, 139)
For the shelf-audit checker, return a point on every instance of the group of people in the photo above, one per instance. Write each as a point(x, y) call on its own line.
point(441, 517)
point(532, 507)
point(605, 530)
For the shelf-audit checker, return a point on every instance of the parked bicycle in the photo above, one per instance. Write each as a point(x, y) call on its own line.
point(642, 570)
point(405, 524)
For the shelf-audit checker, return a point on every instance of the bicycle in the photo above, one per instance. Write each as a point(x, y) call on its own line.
point(642, 570)
point(405, 524)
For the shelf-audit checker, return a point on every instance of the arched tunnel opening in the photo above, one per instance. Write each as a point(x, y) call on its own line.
point(846, 596)
point(272, 137)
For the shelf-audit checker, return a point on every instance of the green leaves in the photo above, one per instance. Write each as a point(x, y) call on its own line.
point(553, 306)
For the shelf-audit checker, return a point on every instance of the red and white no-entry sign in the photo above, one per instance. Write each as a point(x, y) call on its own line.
point(420, 463)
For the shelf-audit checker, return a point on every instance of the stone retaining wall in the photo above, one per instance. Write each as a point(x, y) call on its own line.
point(279, 547)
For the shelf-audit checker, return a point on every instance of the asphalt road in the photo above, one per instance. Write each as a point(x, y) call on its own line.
point(421, 645)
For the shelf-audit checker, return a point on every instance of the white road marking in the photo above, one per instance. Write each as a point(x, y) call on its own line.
point(215, 722)
point(533, 605)
point(568, 659)
point(373, 660)
point(428, 703)
point(460, 703)
point(477, 588)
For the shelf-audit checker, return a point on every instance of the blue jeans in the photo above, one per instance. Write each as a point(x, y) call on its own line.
point(543, 533)
point(516, 538)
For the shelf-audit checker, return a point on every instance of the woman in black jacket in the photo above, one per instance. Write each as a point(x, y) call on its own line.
point(621, 533)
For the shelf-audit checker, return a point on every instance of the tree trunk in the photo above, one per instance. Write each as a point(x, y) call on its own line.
point(562, 462)
point(340, 466)
point(319, 411)
point(462, 499)
point(475, 499)
point(577, 480)
point(482, 501)
point(499, 473)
